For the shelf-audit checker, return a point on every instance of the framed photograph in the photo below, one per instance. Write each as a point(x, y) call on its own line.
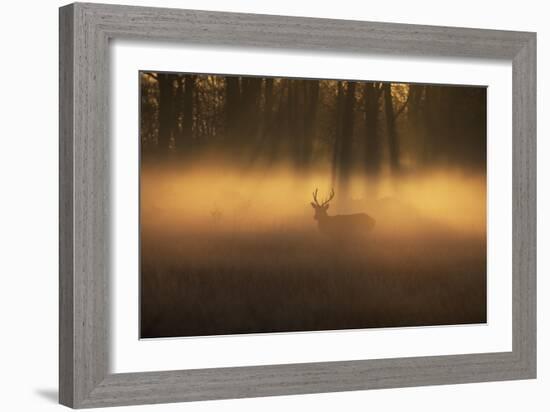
point(257, 205)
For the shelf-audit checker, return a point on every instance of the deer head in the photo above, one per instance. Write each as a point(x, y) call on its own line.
point(321, 208)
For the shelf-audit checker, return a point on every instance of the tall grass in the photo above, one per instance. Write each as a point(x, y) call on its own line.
point(230, 283)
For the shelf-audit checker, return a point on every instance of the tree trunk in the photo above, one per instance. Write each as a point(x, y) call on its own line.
point(293, 142)
point(166, 111)
point(311, 98)
point(232, 107)
point(187, 118)
point(301, 141)
point(249, 126)
point(280, 131)
point(393, 142)
point(372, 137)
point(337, 132)
point(345, 159)
point(268, 108)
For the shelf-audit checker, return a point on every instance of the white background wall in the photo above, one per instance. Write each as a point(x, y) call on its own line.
point(28, 218)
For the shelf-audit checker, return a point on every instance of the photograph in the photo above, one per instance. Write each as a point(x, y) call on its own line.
point(274, 204)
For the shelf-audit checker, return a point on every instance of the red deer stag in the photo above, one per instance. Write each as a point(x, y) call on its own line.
point(340, 226)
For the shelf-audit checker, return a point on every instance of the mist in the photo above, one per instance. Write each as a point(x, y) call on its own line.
point(230, 250)
point(217, 197)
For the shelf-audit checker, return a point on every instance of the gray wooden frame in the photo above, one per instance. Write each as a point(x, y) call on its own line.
point(85, 31)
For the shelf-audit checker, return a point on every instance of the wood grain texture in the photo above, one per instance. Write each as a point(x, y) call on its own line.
point(85, 31)
point(66, 229)
point(524, 206)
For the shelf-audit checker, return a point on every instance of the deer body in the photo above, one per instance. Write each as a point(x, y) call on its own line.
point(340, 226)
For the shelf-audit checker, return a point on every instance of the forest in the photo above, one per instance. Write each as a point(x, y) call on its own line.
point(352, 127)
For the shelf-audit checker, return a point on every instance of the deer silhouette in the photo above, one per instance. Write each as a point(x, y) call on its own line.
point(340, 226)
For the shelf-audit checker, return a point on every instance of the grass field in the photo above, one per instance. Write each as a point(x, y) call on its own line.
point(253, 282)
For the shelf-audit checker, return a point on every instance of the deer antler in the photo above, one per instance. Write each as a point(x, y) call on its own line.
point(331, 196)
point(315, 197)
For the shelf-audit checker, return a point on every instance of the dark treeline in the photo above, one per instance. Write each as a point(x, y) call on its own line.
point(351, 125)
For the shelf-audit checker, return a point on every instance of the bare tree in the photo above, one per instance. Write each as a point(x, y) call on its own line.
point(166, 115)
point(372, 135)
point(188, 103)
point(393, 142)
point(346, 139)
